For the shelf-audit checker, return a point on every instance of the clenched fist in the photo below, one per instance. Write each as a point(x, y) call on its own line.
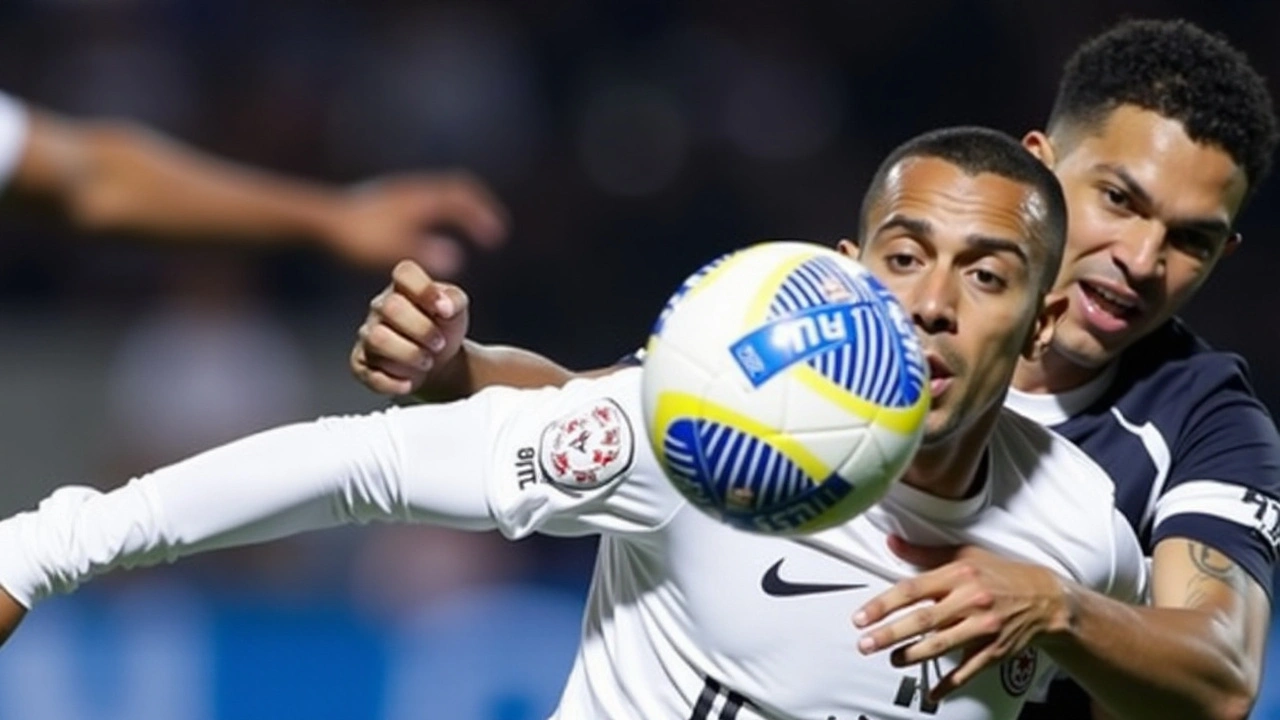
point(414, 329)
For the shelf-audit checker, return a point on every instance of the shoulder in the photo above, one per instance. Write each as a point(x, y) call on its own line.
point(1173, 367)
point(1036, 455)
point(1203, 404)
point(1200, 400)
point(1058, 505)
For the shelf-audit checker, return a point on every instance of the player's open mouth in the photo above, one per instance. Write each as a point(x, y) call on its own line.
point(1108, 308)
point(940, 376)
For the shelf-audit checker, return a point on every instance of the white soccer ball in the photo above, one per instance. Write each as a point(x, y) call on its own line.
point(784, 389)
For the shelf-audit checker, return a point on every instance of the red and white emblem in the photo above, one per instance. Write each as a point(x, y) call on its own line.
point(1017, 672)
point(588, 447)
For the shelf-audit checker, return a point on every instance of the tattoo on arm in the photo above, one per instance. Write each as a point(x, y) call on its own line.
point(1213, 566)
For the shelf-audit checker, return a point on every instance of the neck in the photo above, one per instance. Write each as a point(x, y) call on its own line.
point(1051, 373)
point(949, 468)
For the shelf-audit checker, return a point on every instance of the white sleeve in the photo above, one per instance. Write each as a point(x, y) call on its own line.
point(576, 460)
point(418, 464)
point(461, 465)
point(13, 135)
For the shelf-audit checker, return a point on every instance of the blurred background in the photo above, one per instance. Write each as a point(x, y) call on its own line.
point(632, 140)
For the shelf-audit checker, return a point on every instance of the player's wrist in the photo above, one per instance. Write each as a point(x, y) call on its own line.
point(329, 216)
point(448, 380)
point(1062, 614)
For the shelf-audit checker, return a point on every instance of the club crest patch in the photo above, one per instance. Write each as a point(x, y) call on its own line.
point(588, 447)
point(1017, 672)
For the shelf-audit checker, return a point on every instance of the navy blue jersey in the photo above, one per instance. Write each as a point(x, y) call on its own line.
point(1192, 450)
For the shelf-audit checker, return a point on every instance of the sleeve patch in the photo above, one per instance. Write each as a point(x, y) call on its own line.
point(1227, 501)
point(587, 448)
point(1018, 672)
point(1266, 515)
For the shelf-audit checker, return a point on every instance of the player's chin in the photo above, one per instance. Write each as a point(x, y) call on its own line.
point(939, 426)
point(1088, 349)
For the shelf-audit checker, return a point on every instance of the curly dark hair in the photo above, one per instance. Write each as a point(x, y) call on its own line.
point(1180, 71)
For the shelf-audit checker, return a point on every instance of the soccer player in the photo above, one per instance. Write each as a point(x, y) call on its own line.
point(117, 177)
point(1159, 134)
point(963, 225)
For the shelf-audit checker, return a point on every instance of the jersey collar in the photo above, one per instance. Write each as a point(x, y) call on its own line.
point(941, 509)
point(1053, 408)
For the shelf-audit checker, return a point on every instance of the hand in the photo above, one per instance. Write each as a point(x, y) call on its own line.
point(11, 613)
point(972, 599)
point(411, 216)
point(415, 327)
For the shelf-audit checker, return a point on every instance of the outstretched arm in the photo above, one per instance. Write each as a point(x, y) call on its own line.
point(424, 464)
point(117, 176)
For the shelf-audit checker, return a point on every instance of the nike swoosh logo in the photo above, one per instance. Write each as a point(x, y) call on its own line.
point(773, 584)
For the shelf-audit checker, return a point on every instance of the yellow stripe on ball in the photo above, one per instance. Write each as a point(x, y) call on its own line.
point(900, 420)
point(672, 406)
point(759, 306)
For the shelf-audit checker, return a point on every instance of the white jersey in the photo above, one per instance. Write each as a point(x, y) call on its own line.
point(13, 136)
point(687, 618)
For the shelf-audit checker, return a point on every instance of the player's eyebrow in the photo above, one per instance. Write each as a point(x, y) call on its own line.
point(998, 244)
point(919, 228)
point(1130, 183)
point(913, 226)
point(1212, 227)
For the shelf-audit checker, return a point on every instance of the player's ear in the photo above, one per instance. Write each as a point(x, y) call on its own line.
point(1037, 143)
point(1052, 308)
point(849, 248)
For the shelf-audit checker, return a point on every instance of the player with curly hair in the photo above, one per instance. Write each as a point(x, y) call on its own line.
point(1160, 134)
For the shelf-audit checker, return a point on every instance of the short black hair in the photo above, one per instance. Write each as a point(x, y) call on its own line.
point(1184, 73)
point(976, 150)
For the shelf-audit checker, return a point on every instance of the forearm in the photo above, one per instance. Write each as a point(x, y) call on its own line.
point(113, 176)
point(404, 465)
point(137, 181)
point(1153, 662)
point(478, 366)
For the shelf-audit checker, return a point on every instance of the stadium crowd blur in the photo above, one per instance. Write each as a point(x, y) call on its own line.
point(631, 140)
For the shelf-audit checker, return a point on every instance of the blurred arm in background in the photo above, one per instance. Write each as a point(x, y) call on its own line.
point(112, 176)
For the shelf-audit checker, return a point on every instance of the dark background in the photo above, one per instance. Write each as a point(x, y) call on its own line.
point(631, 140)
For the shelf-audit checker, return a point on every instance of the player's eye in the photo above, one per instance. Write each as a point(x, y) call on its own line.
point(988, 280)
point(1115, 197)
point(900, 261)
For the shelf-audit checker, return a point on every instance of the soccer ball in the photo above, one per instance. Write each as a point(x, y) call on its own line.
point(784, 388)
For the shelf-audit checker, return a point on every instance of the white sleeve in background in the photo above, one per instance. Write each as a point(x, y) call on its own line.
point(13, 135)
